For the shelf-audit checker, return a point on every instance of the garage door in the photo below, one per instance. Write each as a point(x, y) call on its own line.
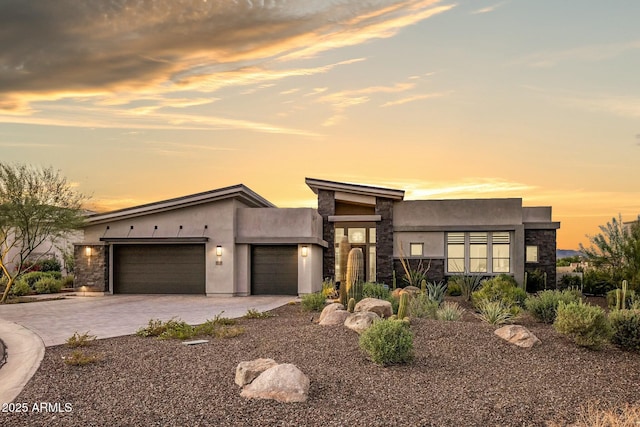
point(274, 270)
point(159, 269)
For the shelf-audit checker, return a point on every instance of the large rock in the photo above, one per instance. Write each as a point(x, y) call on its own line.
point(361, 321)
point(284, 383)
point(330, 309)
point(380, 307)
point(336, 317)
point(518, 335)
point(248, 371)
point(411, 290)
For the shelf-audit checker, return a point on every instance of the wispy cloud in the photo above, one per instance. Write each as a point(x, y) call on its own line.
point(488, 8)
point(414, 98)
point(588, 53)
point(131, 48)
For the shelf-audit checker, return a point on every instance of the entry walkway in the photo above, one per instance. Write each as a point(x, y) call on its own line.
point(27, 328)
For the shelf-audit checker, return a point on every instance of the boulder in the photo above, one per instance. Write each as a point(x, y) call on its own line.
point(361, 321)
point(518, 335)
point(330, 309)
point(284, 383)
point(336, 317)
point(248, 371)
point(380, 307)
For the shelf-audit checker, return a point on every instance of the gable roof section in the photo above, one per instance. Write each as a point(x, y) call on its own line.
point(365, 190)
point(239, 192)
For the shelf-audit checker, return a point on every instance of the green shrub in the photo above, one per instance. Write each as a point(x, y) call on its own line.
point(495, 312)
point(80, 358)
point(329, 289)
point(48, 285)
point(20, 288)
point(388, 342)
point(570, 281)
point(626, 329)
point(67, 281)
point(50, 264)
point(536, 281)
point(453, 288)
point(32, 277)
point(597, 282)
point(313, 302)
point(252, 313)
point(449, 311)
point(422, 306)
point(500, 288)
point(586, 324)
point(375, 290)
point(80, 340)
point(544, 305)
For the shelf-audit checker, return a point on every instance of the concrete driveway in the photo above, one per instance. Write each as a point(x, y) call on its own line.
point(117, 315)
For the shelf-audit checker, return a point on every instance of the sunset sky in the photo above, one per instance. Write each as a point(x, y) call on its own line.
point(139, 101)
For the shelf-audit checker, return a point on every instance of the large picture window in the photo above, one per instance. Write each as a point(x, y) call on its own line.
point(479, 252)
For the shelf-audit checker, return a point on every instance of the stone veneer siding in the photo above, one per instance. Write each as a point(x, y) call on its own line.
point(327, 207)
point(545, 240)
point(435, 273)
point(384, 241)
point(93, 271)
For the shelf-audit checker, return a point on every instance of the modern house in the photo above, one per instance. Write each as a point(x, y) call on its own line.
point(233, 242)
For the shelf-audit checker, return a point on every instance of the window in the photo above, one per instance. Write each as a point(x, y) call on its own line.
point(416, 249)
point(455, 253)
point(532, 254)
point(501, 249)
point(479, 252)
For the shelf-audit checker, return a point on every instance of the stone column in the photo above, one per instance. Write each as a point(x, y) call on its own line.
point(91, 269)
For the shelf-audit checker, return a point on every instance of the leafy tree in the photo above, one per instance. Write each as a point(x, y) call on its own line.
point(616, 250)
point(35, 205)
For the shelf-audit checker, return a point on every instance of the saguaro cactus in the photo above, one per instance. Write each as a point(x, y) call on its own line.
point(404, 303)
point(355, 268)
point(343, 252)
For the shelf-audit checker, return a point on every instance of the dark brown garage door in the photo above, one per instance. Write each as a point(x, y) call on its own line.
point(159, 269)
point(274, 270)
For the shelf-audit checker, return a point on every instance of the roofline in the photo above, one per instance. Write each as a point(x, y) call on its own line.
point(239, 191)
point(366, 190)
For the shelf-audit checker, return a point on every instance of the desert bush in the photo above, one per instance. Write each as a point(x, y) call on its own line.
point(252, 313)
point(32, 277)
point(329, 289)
point(597, 282)
point(80, 340)
point(535, 281)
point(422, 306)
point(453, 288)
point(544, 305)
point(500, 288)
point(375, 290)
point(80, 358)
point(313, 302)
point(45, 264)
point(625, 325)
point(449, 311)
point(570, 281)
point(48, 285)
point(20, 288)
point(494, 312)
point(388, 342)
point(586, 324)
point(468, 284)
point(172, 328)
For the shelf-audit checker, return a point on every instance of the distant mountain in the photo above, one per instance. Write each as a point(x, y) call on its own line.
point(565, 253)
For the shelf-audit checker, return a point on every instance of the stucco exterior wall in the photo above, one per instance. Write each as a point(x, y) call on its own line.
point(278, 223)
point(433, 243)
point(310, 270)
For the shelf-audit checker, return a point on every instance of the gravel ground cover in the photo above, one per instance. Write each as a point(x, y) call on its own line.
point(461, 375)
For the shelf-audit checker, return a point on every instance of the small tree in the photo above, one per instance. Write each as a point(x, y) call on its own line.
point(36, 205)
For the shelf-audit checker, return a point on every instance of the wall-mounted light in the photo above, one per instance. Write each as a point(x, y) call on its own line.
point(88, 251)
point(218, 255)
point(304, 251)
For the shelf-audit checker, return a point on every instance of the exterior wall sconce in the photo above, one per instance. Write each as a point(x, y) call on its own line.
point(88, 251)
point(218, 255)
point(304, 251)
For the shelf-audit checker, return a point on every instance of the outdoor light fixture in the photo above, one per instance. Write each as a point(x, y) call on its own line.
point(305, 251)
point(218, 255)
point(88, 251)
